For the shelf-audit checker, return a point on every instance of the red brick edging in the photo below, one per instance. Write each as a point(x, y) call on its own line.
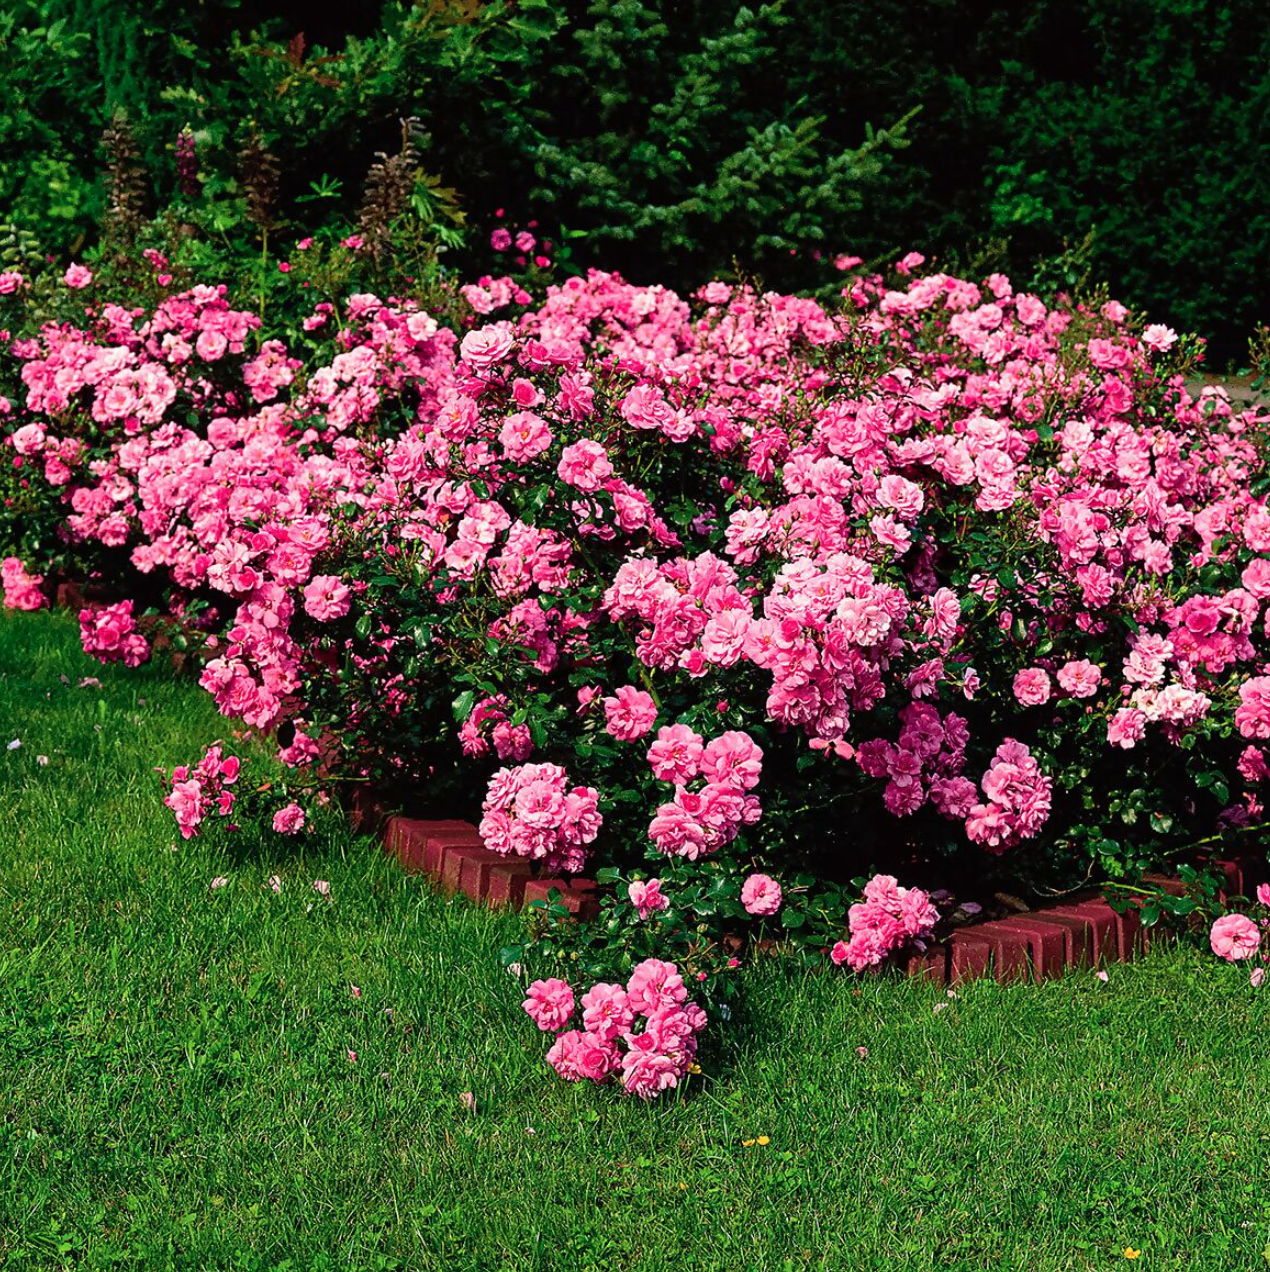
point(1081, 931)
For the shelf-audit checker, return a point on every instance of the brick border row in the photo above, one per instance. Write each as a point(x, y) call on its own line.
point(1082, 931)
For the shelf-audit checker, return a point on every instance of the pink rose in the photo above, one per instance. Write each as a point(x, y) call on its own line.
point(630, 714)
point(326, 598)
point(1080, 678)
point(676, 755)
point(77, 276)
point(524, 436)
point(289, 820)
point(576, 1055)
point(584, 465)
point(655, 984)
point(1235, 937)
point(761, 895)
point(485, 347)
point(646, 897)
point(734, 760)
point(1032, 687)
point(550, 1004)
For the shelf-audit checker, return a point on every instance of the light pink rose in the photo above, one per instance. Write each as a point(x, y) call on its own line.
point(1235, 937)
point(326, 598)
point(761, 895)
point(1032, 687)
point(485, 347)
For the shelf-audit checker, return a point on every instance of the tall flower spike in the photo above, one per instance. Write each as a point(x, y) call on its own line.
point(126, 180)
point(389, 184)
point(260, 172)
point(187, 164)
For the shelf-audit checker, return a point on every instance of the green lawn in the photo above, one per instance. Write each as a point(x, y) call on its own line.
point(176, 1089)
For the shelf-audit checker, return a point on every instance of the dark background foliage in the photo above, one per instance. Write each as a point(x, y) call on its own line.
point(677, 138)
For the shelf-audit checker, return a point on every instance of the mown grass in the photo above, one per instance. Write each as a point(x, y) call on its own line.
point(176, 1089)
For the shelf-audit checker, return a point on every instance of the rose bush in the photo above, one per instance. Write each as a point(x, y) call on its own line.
point(947, 583)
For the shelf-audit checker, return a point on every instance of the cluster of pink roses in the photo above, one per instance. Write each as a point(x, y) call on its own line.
point(647, 1061)
point(697, 823)
point(531, 811)
point(1018, 799)
point(211, 790)
point(888, 919)
point(110, 635)
point(22, 591)
point(204, 791)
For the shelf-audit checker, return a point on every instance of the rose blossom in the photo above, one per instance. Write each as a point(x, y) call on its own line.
point(289, 820)
point(761, 895)
point(485, 347)
point(1234, 937)
point(646, 897)
point(1032, 687)
point(630, 714)
point(326, 598)
point(549, 1004)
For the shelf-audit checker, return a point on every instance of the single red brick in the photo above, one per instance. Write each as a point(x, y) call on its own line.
point(1011, 955)
point(1099, 922)
point(367, 810)
point(930, 964)
point(507, 880)
point(537, 889)
point(440, 837)
point(404, 837)
point(968, 955)
point(1166, 883)
point(1078, 940)
point(580, 903)
point(1047, 946)
point(474, 874)
point(1126, 928)
point(458, 858)
point(1133, 938)
point(70, 596)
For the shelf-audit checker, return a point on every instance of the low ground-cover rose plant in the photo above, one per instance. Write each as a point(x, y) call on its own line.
point(214, 794)
point(643, 1034)
point(730, 598)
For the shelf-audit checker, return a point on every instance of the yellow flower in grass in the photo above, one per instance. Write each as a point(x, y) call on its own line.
point(1131, 1253)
